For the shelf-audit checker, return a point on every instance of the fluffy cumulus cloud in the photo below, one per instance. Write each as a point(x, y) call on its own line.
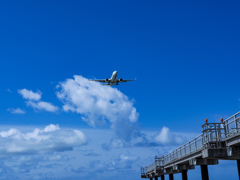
point(16, 111)
point(98, 104)
point(34, 101)
point(48, 140)
point(30, 95)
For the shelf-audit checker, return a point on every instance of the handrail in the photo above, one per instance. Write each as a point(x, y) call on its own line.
point(232, 116)
point(183, 148)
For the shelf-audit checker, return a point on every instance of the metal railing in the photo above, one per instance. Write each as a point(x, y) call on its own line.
point(213, 134)
point(190, 147)
point(232, 125)
point(158, 162)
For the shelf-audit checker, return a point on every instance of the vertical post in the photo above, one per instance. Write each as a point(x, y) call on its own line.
point(184, 175)
point(156, 178)
point(238, 166)
point(211, 136)
point(204, 172)
point(195, 144)
point(170, 176)
point(190, 147)
point(185, 149)
point(226, 127)
point(162, 177)
point(151, 179)
point(236, 122)
point(216, 136)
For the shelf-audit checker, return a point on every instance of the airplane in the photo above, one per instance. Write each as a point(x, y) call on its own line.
point(112, 81)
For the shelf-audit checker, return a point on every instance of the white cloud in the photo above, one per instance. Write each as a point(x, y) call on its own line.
point(8, 133)
point(16, 111)
point(51, 128)
point(82, 162)
point(30, 95)
point(50, 139)
point(165, 136)
point(98, 104)
point(41, 105)
point(34, 101)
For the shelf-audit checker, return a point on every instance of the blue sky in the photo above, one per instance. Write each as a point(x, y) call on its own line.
point(184, 55)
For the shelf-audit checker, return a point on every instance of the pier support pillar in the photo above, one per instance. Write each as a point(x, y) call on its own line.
point(162, 177)
point(170, 176)
point(151, 179)
point(184, 174)
point(238, 166)
point(156, 178)
point(204, 172)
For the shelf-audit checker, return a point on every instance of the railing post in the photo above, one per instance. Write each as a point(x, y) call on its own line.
point(226, 127)
point(216, 136)
point(211, 136)
point(189, 147)
point(236, 123)
point(185, 149)
point(195, 144)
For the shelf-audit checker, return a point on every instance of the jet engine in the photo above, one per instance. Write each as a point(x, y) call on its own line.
point(120, 80)
point(106, 80)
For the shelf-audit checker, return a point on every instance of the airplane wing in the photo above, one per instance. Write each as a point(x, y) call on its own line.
point(98, 80)
point(125, 80)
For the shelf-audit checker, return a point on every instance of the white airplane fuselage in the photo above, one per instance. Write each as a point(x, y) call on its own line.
point(113, 78)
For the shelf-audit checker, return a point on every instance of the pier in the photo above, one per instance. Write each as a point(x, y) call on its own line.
point(217, 141)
